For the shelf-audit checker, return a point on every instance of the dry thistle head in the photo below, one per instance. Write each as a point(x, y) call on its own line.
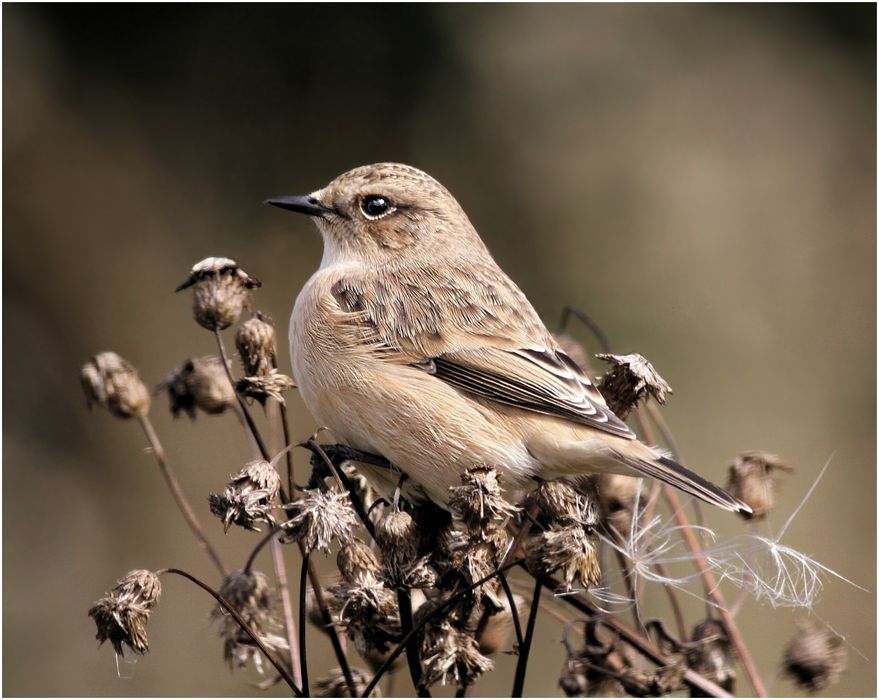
point(479, 499)
point(113, 383)
point(563, 504)
point(570, 550)
point(357, 563)
point(318, 518)
point(334, 685)
point(752, 478)
point(122, 614)
point(397, 537)
point(618, 495)
point(247, 498)
point(710, 654)
point(249, 594)
point(199, 383)
point(593, 670)
point(257, 348)
point(630, 379)
point(271, 385)
point(815, 657)
point(451, 655)
point(220, 290)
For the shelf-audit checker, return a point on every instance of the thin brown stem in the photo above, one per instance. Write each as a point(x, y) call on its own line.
point(302, 646)
point(181, 500)
point(525, 649)
point(286, 609)
point(268, 653)
point(243, 406)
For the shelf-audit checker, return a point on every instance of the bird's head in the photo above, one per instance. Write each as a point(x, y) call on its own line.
point(380, 212)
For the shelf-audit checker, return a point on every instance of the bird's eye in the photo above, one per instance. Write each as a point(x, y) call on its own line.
point(375, 206)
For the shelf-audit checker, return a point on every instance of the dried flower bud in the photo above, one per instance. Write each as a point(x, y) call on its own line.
point(110, 381)
point(247, 499)
point(630, 379)
point(618, 495)
point(249, 594)
point(220, 289)
point(199, 383)
point(449, 654)
point(334, 685)
point(397, 536)
point(751, 479)
point(357, 563)
point(563, 504)
point(255, 340)
point(122, 614)
point(271, 385)
point(368, 607)
point(815, 657)
point(571, 551)
point(710, 654)
point(479, 500)
point(319, 518)
point(573, 349)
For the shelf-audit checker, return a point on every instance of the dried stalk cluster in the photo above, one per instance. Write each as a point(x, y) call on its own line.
point(417, 583)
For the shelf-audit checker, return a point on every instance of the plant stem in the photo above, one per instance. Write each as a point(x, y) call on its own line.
point(274, 660)
point(302, 646)
point(243, 406)
point(287, 609)
point(182, 503)
point(525, 649)
point(413, 660)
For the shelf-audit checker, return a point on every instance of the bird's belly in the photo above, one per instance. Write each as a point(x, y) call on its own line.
point(423, 426)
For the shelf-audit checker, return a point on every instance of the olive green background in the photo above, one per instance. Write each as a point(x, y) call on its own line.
point(700, 179)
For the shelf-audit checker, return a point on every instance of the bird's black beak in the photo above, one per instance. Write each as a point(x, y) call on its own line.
point(302, 204)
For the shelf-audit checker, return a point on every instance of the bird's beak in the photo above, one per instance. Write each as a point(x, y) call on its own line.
point(301, 203)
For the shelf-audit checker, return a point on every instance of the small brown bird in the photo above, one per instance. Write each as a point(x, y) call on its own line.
point(411, 343)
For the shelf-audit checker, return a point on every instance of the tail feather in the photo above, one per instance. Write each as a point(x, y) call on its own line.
point(670, 472)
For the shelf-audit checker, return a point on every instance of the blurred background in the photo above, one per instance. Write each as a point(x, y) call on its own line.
point(701, 180)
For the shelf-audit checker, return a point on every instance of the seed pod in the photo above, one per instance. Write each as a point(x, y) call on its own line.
point(247, 499)
point(255, 340)
point(711, 654)
point(357, 563)
point(630, 379)
point(398, 539)
point(220, 290)
point(479, 499)
point(563, 504)
point(199, 383)
point(815, 657)
point(113, 383)
point(752, 479)
point(122, 614)
point(570, 551)
point(319, 518)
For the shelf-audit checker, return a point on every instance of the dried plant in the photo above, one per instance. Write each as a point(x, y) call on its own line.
point(430, 587)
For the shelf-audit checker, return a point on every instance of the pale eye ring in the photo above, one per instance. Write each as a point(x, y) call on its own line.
point(374, 206)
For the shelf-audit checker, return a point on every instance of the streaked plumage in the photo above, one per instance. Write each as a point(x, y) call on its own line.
point(411, 342)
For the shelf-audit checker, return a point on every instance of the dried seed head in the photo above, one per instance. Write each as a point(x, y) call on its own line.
point(334, 685)
point(451, 655)
point(220, 289)
point(249, 594)
point(618, 495)
point(397, 536)
point(752, 479)
point(255, 340)
point(110, 381)
point(630, 379)
point(319, 518)
point(593, 670)
point(357, 563)
point(122, 614)
point(564, 504)
point(573, 349)
point(199, 383)
point(247, 499)
point(570, 551)
point(710, 654)
point(479, 500)
point(815, 657)
point(271, 385)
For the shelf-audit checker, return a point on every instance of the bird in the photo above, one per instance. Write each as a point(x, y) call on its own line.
point(411, 343)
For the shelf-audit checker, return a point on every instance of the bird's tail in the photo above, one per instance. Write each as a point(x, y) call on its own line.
point(670, 472)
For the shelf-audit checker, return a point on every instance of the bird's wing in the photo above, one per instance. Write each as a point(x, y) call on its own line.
point(470, 326)
point(540, 380)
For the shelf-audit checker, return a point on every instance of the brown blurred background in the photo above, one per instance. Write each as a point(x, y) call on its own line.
point(701, 180)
